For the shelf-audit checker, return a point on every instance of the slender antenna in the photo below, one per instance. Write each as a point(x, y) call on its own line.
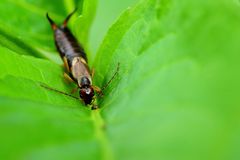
point(68, 17)
point(53, 24)
point(115, 74)
point(55, 90)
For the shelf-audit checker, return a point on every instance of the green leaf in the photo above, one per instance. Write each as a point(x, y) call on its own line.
point(40, 124)
point(26, 74)
point(35, 130)
point(37, 123)
point(175, 96)
point(83, 23)
point(106, 14)
point(28, 31)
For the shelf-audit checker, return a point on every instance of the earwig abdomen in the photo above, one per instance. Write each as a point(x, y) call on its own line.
point(67, 45)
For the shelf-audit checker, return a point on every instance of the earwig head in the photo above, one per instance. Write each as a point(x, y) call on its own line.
point(86, 94)
point(86, 90)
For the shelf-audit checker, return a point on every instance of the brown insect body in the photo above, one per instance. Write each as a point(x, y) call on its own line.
point(75, 62)
point(70, 49)
point(75, 59)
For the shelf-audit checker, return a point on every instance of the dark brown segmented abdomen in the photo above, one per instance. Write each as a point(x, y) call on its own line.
point(67, 45)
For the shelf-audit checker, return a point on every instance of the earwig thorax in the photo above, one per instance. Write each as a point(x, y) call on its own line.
point(85, 82)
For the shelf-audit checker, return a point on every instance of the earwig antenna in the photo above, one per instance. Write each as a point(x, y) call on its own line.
point(53, 24)
point(115, 74)
point(55, 90)
point(68, 17)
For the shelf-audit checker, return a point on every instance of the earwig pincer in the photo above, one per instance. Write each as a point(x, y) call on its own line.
point(75, 62)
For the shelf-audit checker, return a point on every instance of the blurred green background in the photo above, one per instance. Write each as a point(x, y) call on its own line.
point(107, 13)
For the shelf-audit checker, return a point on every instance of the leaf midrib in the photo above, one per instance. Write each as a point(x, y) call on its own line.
point(100, 134)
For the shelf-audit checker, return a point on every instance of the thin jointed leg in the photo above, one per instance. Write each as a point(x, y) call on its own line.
point(98, 90)
point(67, 77)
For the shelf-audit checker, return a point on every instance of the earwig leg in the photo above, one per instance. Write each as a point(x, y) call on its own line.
point(66, 64)
point(93, 73)
point(67, 77)
point(74, 90)
point(115, 74)
point(68, 17)
point(98, 90)
point(53, 24)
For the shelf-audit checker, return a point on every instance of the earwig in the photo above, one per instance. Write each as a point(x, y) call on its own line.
point(75, 62)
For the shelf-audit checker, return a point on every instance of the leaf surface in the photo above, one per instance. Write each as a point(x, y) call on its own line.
point(24, 27)
point(37, 123)
point(175, 96)
point(176, 93)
